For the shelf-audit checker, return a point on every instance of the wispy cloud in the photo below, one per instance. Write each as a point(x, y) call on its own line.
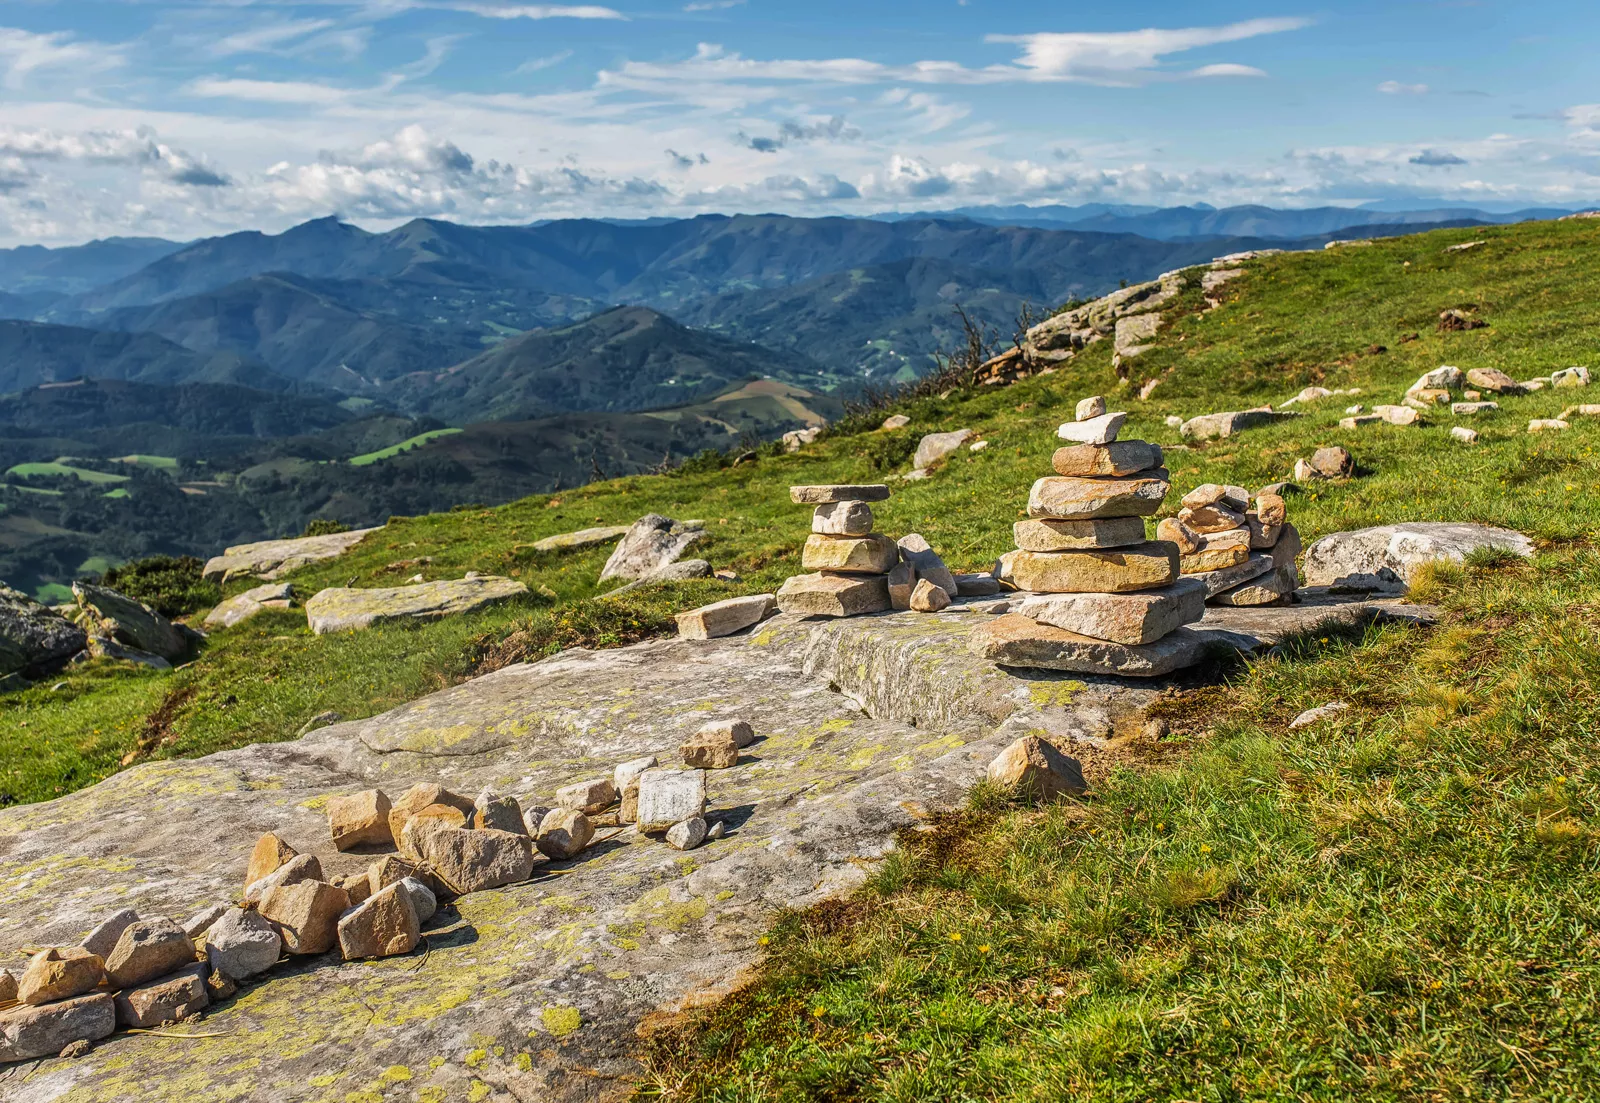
point(713, 5)
point(1395, 88)
point(533, 65)
point(23, 53)
point(1437, 158)
point(531, 11)
point(267, 38)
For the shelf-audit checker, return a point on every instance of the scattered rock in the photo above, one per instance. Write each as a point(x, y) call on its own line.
point(8, 986)
point(60, 974)
point(1333, 462)
point(842, 519)
point(341, 609)
point(667, 797)
point(1353, 560)
point(626, 779)
point(928, 598)
point(390, 870)
point(838, 492)
point(739, 731)
point(44, 1031)
point(1570, 377)
point(148, 949)
point(711, 748)
point(32, 635)
point(422, 898)
point(168, 999)
point(1397, 415)
point(936, 446)
point(494, 812)
point(1588, 409)
point(270, 558)
point(1494, 381)
point(1090, 408)
point(302, 867)
point(241, 607)
point(793, 440)
point(895, 421)
point(109, 615)
point(1133, 618)
point(359, 819)
point(1322, 712)
point(203, 920)
point(901, 580)
point(385, 925)
point(976, 585)
point(1224, 425)
point(716, 831)
point(1466, 409)
point(1217, 550)
point(1211, 519)
point(1546, 425)
point(564, 833)
point(413, 840)
point(833, 595)
point(306, 915)
point(1036, 768)
point(420, 796)
point(103, 939)
point(1464, 246)
point(651, 543)
point(1455, 321)
point(1445, 378)
point(357, 886)
point(1173, 421)
point(588, 797)
point(1464, 435)
point(688, 834)
point(1095, 430)
point(583, 538)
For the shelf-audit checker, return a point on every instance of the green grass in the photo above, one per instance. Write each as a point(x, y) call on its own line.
point(120, 492)
point(163, 463)
point(26, 470)
point(404, 446)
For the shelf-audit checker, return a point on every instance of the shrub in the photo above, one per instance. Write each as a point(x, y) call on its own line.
point(172, 586)
point(323, 526)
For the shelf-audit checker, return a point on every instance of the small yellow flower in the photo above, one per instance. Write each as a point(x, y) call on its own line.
point(1562, 778)
point(763, 940)
point(1438, 984)
point(984, 948)
point(1162, 826)
point(955, 936)
point(1205, 849)
point(819, 1011)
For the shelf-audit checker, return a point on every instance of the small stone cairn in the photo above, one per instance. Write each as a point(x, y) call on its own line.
point(850, 563)
point(1243, 556)
point(1100, 597)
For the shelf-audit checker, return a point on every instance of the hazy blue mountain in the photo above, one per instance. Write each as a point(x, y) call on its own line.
point(32, 353)
point(74, 269)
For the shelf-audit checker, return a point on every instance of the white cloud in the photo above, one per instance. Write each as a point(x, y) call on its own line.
point(23, 53)
point(1395, 88)
point(532, 11)
point(302, 93)
point(139, 148)
point(533, 65)
point(1126, 57)
point(268, 38)
point(713, 5)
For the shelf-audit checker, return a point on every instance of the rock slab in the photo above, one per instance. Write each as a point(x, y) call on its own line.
point(341, 609)
point(1357, 559)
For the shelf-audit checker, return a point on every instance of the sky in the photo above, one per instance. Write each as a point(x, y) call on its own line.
point(191, 118)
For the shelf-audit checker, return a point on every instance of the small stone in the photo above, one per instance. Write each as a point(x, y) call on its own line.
point(716, 830)
point(588, 797)
point(422, 898)
point(629, 771)
point(1493, 380)
point(1531, 385)
point(1467, 409)
point(1333, 462)
point(688, 834)
point(1271, 509)
point(724, 618)
point(387, 871)
point(360, 819)
point(166, 1000)
point(1118, 570)
point(1397, 415)
point(711, 749)
point(357, 886)
point(200, 922)
point(1228, 577)
point(306, 915)
point(1472, 396)
point(1322, 712)
point(1266, 589)
point(976, 585)
point(1464, 435)
point(1137, 618)
point(270, 854)
point(1101, 429)
point(221, 986)
point(873, 554)
point(934, 447)
point(1355, 409)
point(59, 974)
point(423, 795)
point(842, 519)
point(1444, 378)
point(927, 598)
point(1422, 400)
point(901, 580)
point(1587, 409)
point(1037, 769)
point(1261, 535)
point(831, 595)
point(1089, 408)
point(739, 731)
point(977, 446)
point(385, 925)
point(1216, 551)
point(147, 949)
point(564, 833)
point(817, 495)
point(243, 943)
point(1122, 457)
point(1173, 421)
point(667, 797)
point(73, 1050)
point(1546, 425)
point(1235, 498)
point(103, 939)
point(28, 1032)
point(895, 421)
point(916, 550)
point(412, 842)
point(1570, 377)
point(1212, 518)
point(8, 986)
point(1177, 532)
point(1349, 423)
point(494, 812)
point(1080, 499)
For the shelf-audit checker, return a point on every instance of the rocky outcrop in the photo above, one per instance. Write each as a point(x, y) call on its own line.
point(652, 542)
point(270, 559)
point(1388, 557)
point(114, 619)
point(33, 636)
point(348, 610)
point(1061, 337)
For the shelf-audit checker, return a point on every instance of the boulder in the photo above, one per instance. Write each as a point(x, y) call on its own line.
point(1094, 430)
point(306, 915)
point(928, 598)
point(302, 867)
point(1226, 424)
point(241, 607)
point(1444, 378)
point(1136, 618)
point(103, 939)
point(60, 973)
point(711, 748)
point(270, 558)
point(165, 1000)
point(44, 1031)
point(1014, 640)
point(652, 542)
point(1354, 560)
point(688, 834)
point(1036, 769)
point(420, 796)
point(629, 771)
point(387, 871)
point(563, 833)
point(588, 797)
point(895, 421)
point(842, 519)
point(873, 554)
point(1089, 408)
point(583, 538)
point(936, 446)
point(1111, 571)
point(33, 636)
point(916, 550)
point(667, 797)
point(1494, 381)
point(838, 492)
point(1075, 499)
point(270, 854)
point(109, 615)
point(359, 819)
point(343, 609)
point(384, 925)
point(356, 885)
point(148, 949)
point(495, 812)
point(831, 595)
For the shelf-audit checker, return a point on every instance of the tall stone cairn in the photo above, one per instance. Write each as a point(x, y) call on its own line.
point(1099, 597)
point(1242, 550)
point(850, 563)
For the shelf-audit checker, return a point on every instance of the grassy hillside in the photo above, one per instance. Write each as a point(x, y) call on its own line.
point(1398, 904)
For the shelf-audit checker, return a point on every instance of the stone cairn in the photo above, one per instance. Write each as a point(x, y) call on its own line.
point(1100, 597)
point(141, 973)
point(1242, 556)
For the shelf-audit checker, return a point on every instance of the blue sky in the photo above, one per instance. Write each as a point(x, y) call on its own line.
point(192, 118)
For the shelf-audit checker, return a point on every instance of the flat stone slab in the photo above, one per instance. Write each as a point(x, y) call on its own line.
point(1387, 556)
point(241, 607)
point(583, 538)
point(348, 610)
point(538, 989)
point(838, 492)
point(272, 558)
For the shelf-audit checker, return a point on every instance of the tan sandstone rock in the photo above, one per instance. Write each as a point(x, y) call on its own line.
point(1217, 550)
point(842, 519)
point(1048, 535)
point(1123, 457)
point(1212, 518)
point(724, 618)
point(1014, 640)
point(1267, 589)
point(269, 854)
point(1493, 380)
point(711, 749)
point(564, 833)
point(667, 797)
point(1271, 508)
point(148, 949)
point(496, 812)
point(1077, 499)
point(413, 840)
point(1137, 618)
point(470, 861)
point(306, 915)
point(873, 554)
point(385, 925)
point(28, 1032)
point(1176, 532)
point(164, 1000)
point(832, 595)
point(1109, 571)
point(588, 797)
point(1236, 498)
point(928, 598)
point(421, 796)
point(60, 973)
point(302, 867)
point(360, 819)
point(1036, 768)
point(819, 495)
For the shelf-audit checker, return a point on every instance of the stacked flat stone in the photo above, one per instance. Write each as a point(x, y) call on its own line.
point(1241, 555)
point(1100, 597)
point(850, 563)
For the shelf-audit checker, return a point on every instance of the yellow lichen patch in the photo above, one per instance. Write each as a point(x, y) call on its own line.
point(435, 1062)
point(316, 804)
point(394, 1074)
point(325, 1080)
point(863, 756)
point(1054, 694)
point(561, 1021)
point(478, 1092)
point(476, 1057)
point(762, 639)
point(524, 1062)
point(432, 1094)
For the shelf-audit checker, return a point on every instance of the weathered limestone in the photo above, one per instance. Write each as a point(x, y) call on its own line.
point(1547, 425)
point(1272, 510)
point(1014, 640)
point(626, 775)
point(360, 819)
point(384, 925)
point(306, 915)
point(147, 949)
point(1468, 409)
point(563, 833)
point(1071, 499)
point(241, 607)
point(1463, 434)
point(1089, 408)
point(1037, 769)
point(895, 421)
point(928, 598)
point(819, 495)
point(270, 558)
point(1261, 535)
point(203, 920)
point(44, 1031)
point(934, 447)
point(1444, 378)
point(711, 748)
point(842, 519)
point(874, 554)
point(583, 538)
point(588, 797)
point(1234, 498)
point(1397, 415)
point(1217, 550)
point(59, 974)
point(739, 731)
point(1119, 457)
point(242, 943)
point(1095, 430)
point(1358, 559)
point(1223, 425)
point(831, 595)
point(165, 1000)
point(1108, 571)
point(1226, 578)
point(1133, 618)
point(667, 797)
point(33, 636)
point(339, 609)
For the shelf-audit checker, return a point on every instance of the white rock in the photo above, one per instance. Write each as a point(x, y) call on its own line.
point(1570, 377)
point(1546, 425)
point(688, 834)
point(627, 771)
point(1355, 559)
point(667, 797)
point(1464, 435)
point(1174, 422)
point(1311, 716)
point(1096, 430)
point(978, 446)
point(1091, 407)
point(936, 446)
